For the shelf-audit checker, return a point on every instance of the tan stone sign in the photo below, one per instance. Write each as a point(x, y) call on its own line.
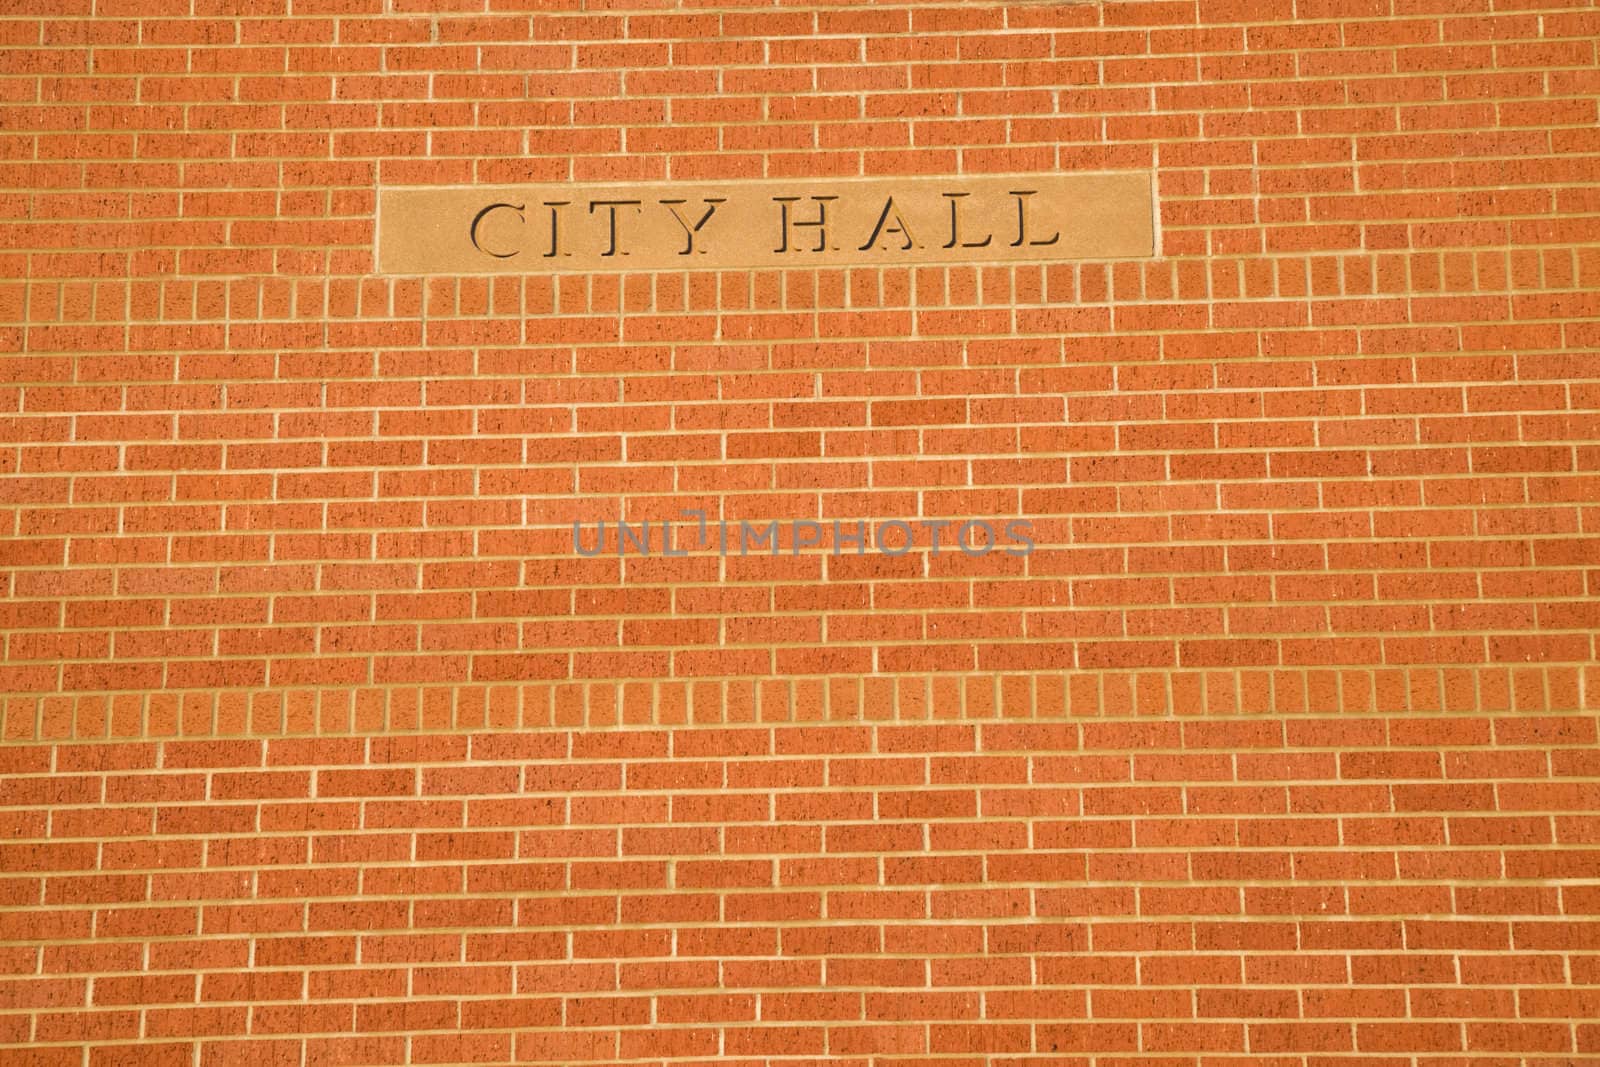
point(765, 223)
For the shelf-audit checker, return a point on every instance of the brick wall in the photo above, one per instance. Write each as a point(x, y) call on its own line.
point(322, 745)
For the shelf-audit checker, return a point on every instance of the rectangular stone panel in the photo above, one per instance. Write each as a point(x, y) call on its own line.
point(765, 224)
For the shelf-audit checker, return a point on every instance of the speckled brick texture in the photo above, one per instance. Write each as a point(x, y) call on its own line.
point(321, 743)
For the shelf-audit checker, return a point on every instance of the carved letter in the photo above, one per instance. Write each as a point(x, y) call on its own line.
point(472, 231)
point(955, 231)
point(612, 205)
point(688, 230)
point(555, 228)
point(1022, 226)
point(898, 227)
point(820, 222)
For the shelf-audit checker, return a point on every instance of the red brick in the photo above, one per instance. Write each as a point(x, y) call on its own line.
point(1299, 674)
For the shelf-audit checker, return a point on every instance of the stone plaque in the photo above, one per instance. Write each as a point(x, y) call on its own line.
point(765, 224)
